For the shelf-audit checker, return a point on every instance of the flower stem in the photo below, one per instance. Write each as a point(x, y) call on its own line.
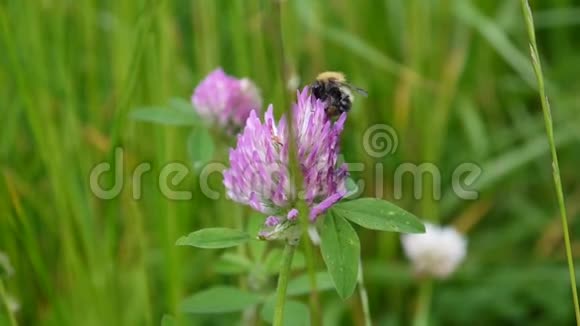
point(4, 301)
point(424, 303)
point(296, 177)
point(283, 284)
point(550, 133)
point(364, 298)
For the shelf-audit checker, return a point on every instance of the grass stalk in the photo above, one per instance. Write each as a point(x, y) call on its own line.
point(529, 20)
point(296, 176)
point(364, 298)
point(283, 284)
point(424, 303)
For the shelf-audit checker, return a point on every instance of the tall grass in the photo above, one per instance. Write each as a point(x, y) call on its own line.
point(446, 75)
point(527, 11)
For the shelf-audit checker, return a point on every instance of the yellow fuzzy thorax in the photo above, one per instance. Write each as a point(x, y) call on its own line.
point(331, 76)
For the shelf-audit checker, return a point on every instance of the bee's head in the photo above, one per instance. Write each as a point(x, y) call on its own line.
point(317, 89)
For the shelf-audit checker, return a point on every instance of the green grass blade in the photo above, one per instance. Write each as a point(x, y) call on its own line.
point(527, 12)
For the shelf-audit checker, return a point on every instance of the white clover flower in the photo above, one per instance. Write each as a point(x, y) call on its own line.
point(437, 252)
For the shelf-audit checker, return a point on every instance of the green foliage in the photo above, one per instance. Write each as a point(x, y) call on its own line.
point(340, 245)
point(301, 284)
point(512, 295)
point(220, 299)
point(274, 259)
point(163, 116)
point(295, 313)
point(377, 214)
point(352, 188)
point(184, 106)
point(200, 147)
point(214, 238)
point(340, 249)
point(232, 264)
point(168, 320)
point(453, 78)
point(177, 113)
point(256, 248)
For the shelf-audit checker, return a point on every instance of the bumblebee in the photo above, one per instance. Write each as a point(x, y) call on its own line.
point(332, 88)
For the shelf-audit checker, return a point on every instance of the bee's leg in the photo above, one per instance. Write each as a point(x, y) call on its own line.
point(331, 110)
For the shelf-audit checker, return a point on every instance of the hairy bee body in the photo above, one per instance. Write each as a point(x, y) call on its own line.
point(332, 88)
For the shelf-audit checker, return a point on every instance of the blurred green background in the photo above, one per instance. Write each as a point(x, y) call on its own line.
point(452, 77)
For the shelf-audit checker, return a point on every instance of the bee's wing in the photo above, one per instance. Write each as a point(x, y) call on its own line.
point(361, 91)
point(357, 89)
